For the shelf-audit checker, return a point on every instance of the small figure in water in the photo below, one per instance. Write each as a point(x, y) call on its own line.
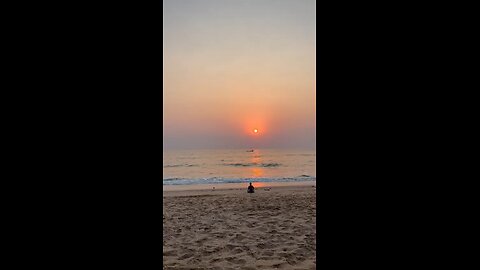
point(250, 188)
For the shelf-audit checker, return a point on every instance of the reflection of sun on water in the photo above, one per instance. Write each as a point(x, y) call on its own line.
point(256, 159)
point(258, 184)
point(257, 172)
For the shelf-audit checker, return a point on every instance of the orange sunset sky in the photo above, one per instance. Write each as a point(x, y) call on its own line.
point(232, 66)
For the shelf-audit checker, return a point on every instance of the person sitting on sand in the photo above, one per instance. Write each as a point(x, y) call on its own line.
point(250, 188)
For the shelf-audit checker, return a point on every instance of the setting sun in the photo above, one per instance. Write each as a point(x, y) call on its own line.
point(239, 74)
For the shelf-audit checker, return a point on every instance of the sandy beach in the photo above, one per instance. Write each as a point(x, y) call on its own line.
point(230, 229)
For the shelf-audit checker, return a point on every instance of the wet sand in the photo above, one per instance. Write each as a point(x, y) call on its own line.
point(231, 229)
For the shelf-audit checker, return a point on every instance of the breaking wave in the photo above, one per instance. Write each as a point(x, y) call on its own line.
point(253, 164)
point(216, 180)
point(180, 165)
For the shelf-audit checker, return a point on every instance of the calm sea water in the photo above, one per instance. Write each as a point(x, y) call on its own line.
point(183, 167)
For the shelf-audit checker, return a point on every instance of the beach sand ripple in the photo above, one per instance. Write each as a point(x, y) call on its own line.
point(235, 230)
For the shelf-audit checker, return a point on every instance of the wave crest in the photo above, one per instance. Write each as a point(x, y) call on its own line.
point(217, 180)
point(253, 164)
point(179, 165)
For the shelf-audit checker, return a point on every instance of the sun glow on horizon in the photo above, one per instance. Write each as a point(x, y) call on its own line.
point(239, 74)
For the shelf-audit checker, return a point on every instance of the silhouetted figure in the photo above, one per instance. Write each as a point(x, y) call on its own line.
point(250, 189)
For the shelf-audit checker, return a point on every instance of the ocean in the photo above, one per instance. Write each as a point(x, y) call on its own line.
point(184, 167)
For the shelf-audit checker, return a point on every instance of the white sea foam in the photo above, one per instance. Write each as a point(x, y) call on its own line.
point(219, 180)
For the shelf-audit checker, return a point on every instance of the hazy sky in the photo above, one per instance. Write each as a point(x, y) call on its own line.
point(231, 66)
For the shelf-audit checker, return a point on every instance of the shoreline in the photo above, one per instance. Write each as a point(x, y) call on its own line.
point(226, 188)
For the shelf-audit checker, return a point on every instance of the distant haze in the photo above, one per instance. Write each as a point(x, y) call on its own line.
point(231, 66)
